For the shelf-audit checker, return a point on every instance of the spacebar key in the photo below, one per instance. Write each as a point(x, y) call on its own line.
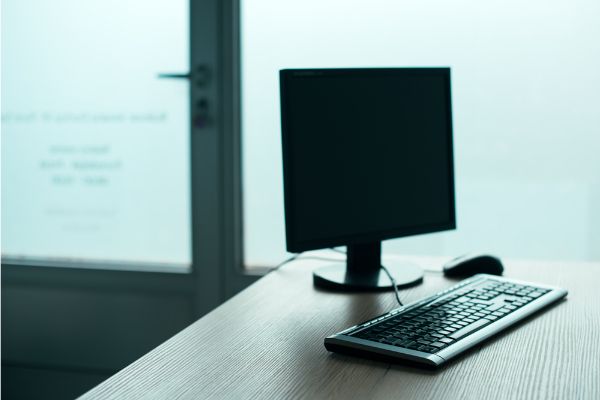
point(469, 328)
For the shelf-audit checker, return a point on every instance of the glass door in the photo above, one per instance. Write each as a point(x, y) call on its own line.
point(95, 145)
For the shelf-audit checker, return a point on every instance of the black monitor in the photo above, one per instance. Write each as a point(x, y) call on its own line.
point(367, 156)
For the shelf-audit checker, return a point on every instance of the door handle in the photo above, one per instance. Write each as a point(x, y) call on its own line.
point(200, 75)
point(170, 75)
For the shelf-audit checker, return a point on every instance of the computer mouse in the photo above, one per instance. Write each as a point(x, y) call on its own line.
point(471, 264)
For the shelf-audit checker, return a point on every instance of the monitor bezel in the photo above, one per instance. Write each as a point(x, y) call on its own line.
point(295, 245)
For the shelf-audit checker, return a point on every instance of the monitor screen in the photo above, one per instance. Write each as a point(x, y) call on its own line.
point(367, 154)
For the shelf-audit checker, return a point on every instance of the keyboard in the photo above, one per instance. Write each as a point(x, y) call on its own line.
point(436, 329)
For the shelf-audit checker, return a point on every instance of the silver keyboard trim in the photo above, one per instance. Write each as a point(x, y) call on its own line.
point(503, 323)
point(385, 349)
point(342, 338)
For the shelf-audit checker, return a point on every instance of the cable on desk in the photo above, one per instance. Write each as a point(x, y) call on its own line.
point(391, 278)
point(297, 257)
point(393, 281)
point(281, 264)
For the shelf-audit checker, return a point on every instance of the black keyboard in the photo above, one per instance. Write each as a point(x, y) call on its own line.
point(442, 326)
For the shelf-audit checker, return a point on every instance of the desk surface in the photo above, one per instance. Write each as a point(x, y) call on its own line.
point(267, 342)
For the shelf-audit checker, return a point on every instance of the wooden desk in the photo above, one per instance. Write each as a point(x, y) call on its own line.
point(267, 342)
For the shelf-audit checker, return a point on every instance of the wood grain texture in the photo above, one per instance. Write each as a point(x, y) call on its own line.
point(267, 343)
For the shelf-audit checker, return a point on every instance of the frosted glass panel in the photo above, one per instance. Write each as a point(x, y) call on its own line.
point(95, 148)
point(526, 95)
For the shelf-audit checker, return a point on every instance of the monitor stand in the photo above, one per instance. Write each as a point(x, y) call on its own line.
point(362, 271)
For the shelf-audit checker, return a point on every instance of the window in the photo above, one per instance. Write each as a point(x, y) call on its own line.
point(525, 102)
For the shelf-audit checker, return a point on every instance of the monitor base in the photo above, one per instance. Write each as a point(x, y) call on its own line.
point(336, 277)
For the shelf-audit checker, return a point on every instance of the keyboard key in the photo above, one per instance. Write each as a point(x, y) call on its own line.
point(402, 343)
point(427, 349)
point(495, 307)
point(483, 302)
point(526, 299)
point(461, 299)
point(468, 329)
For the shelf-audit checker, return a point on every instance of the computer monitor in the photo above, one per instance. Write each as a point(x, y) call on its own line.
point(367, 156)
